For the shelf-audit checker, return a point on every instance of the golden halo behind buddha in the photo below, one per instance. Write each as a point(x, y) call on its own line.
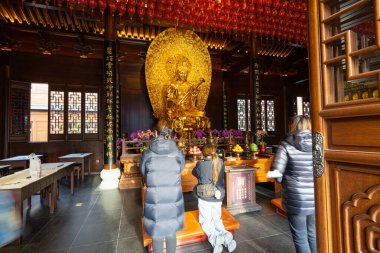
point(173, 50)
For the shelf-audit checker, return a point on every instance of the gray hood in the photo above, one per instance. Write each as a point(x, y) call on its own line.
point(301, 140)
point(163, 146)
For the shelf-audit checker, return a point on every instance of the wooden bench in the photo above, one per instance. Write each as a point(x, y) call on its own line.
point(277, 202)
point(192, 232)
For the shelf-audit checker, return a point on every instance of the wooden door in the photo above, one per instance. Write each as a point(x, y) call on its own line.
point(344, 56)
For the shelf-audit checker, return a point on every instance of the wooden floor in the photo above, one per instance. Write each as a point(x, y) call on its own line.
point(109, 222)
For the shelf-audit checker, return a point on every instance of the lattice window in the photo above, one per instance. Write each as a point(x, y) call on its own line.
point(268, 115)
point(244, 114)
point(57, 112)
point(91, 113)
point(74, 113)
point(19, 111)
point(301, 106)
point(241, 114)
point(249, 115)
point(306, 109)
point(350, 49)
point(263, 115)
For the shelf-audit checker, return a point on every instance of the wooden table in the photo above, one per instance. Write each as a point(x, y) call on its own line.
point(23, 186)
point(79, 158)
point(4, 170)
point(18, 161)
point(241, 187)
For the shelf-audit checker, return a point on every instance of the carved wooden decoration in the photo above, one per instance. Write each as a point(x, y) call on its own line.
point(361, 221)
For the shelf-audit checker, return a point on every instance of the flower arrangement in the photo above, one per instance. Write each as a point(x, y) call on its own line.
point(199, 133)
point(140, 135)
point(260, 136)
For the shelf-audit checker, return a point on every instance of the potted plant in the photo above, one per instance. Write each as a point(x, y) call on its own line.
point(260, 140)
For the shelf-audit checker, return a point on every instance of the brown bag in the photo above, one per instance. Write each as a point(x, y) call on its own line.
point(206, 190)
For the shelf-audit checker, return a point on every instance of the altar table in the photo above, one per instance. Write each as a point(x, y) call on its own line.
point(262, 165)
point(78, 158)
point(18, 161)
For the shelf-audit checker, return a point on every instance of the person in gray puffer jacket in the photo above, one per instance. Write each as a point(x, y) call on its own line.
point(293, 168)
point(161, 165)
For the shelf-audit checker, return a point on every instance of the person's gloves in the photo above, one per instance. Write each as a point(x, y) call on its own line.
point(218, 194)
point(274, 174)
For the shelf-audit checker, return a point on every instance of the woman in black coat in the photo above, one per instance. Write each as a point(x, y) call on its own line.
point(293, 168)
point(162, 165)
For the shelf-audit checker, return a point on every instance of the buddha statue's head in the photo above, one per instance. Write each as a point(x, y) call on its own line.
point(183, 68)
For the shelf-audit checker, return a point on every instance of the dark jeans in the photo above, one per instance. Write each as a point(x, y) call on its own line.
point(303, 231)
point(171, 244)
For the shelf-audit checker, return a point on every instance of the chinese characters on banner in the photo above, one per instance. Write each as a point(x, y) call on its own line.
point(110, 105)
point(257, 94)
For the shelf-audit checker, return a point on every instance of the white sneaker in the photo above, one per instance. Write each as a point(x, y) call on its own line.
point(231, 246)
point(219, 240)
point(218, 248)
point(227, 238)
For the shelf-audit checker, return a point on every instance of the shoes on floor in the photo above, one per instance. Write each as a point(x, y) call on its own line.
point(218, 248)
point(229, 242)
point(231, 246)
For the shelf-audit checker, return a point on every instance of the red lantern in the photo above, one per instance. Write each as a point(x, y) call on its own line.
point(151, 5)
point(121, 8)
point(131, 10)
point(102, 5)
point(60, 3)
point(141, 13)
point(112, 6)
point(92, 4)
point(71, 4)
point(150, 13)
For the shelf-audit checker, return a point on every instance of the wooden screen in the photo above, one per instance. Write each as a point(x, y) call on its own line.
point(19, 121)
point(348, 54)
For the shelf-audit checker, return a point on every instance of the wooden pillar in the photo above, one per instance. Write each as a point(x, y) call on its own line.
point(4, 116)
point(110, 93)
point(254, 87)
point(110, 173)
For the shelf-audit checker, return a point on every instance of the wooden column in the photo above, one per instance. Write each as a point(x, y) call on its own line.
point(110, 174)
point(4, 116)
point(110, 93)
point(323, 219)
point(254, 87)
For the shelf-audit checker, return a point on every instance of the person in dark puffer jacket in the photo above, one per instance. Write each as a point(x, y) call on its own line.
point(161, 165)
point(210, 172)
point(293, 168)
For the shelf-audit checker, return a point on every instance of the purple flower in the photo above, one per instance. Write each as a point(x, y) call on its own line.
point(226, 133)
point(199, 133)
point(238, 133)
point(118, 142)
point(134, 136)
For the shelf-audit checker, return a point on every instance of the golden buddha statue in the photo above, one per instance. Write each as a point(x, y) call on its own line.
point(178, 75)
point(182, 99)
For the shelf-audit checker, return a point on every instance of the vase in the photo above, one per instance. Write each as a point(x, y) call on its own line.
point(263, 149)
